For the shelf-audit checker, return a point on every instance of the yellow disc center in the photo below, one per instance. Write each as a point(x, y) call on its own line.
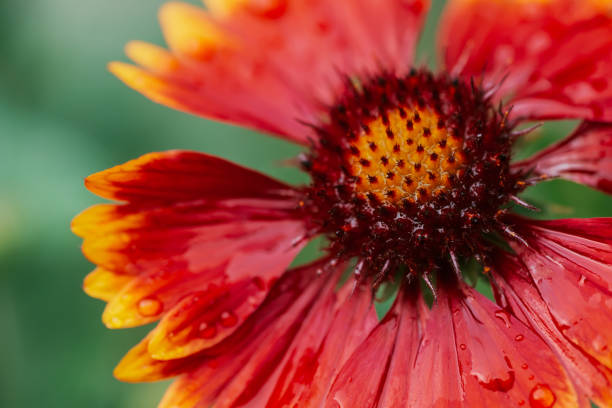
point(407, 154)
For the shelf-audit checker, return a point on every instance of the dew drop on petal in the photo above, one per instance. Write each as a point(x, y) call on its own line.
point(150, 306)
point(497, 384)
point(541, 396)
point(462, 346)
point(207, 330)
point(519, 337)
point(228, 319)
point(521, 403)
point(524, 366)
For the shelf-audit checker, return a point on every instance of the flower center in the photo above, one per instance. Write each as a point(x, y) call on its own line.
point(406, 154)
point(410, 172)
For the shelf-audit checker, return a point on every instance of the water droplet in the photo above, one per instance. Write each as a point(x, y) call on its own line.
point(519, 337)
point(521, 403)
point(581, 280)
point(498, 384)
point(541, 396)
point(462, 346)
point(504, 317)
point(524, 366)
point(207, 330)
point(150, 306)
point(531, 377)
point(228, 319)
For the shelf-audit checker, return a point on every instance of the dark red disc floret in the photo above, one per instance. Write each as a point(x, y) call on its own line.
point(445, 201)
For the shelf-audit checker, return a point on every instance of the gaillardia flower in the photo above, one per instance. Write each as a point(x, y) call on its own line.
point(412, 179)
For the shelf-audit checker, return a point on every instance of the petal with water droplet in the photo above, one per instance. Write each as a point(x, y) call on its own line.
point(571, 264)
point(202, 319)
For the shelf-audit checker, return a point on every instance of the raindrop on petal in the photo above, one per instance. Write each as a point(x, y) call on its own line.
point(150, 306)
point(228, 319)
point(497, 384)
point(541, 396)
point(207, 330)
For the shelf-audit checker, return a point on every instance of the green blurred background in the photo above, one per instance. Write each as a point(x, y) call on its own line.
point(62, 117)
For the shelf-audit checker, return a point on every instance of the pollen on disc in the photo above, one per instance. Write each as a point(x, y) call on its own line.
point(406, 154)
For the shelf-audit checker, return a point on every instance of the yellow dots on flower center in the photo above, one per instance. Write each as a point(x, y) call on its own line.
point(406, 154)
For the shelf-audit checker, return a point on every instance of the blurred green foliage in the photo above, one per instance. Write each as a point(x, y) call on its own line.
point(62, 117)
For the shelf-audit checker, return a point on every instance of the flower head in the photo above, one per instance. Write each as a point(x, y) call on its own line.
point(412, 178)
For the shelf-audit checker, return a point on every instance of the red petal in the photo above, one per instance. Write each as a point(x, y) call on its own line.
point(554, 55)
point(235, 371)
point(590, 377)
point(570, 262)
point(397, 387)
point(138, 366)
point(377, 373)
point(473, 354)
point(104, 284)
point(317, 354)
point(204, 318)
point(213, 256)
point(503, 362)
point(435, 379)
point(584, 157)
point(264, 65)
point(179, 237)
point(132, 239)
point(182, 176)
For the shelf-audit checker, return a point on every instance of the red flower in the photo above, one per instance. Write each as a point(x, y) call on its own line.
point(411, 177)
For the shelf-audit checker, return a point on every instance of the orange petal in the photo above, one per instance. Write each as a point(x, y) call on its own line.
point(204, 318)
point(150, 85)
point(263, 8)
point(147, 297)
point(223, 8)
point(103, 219)
point(245, 361)
point(152, 57)
point(251, 71)
point(138, 366)
point(178, 267)
point(104, 284)
point(190, 31)
point(180, 175)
